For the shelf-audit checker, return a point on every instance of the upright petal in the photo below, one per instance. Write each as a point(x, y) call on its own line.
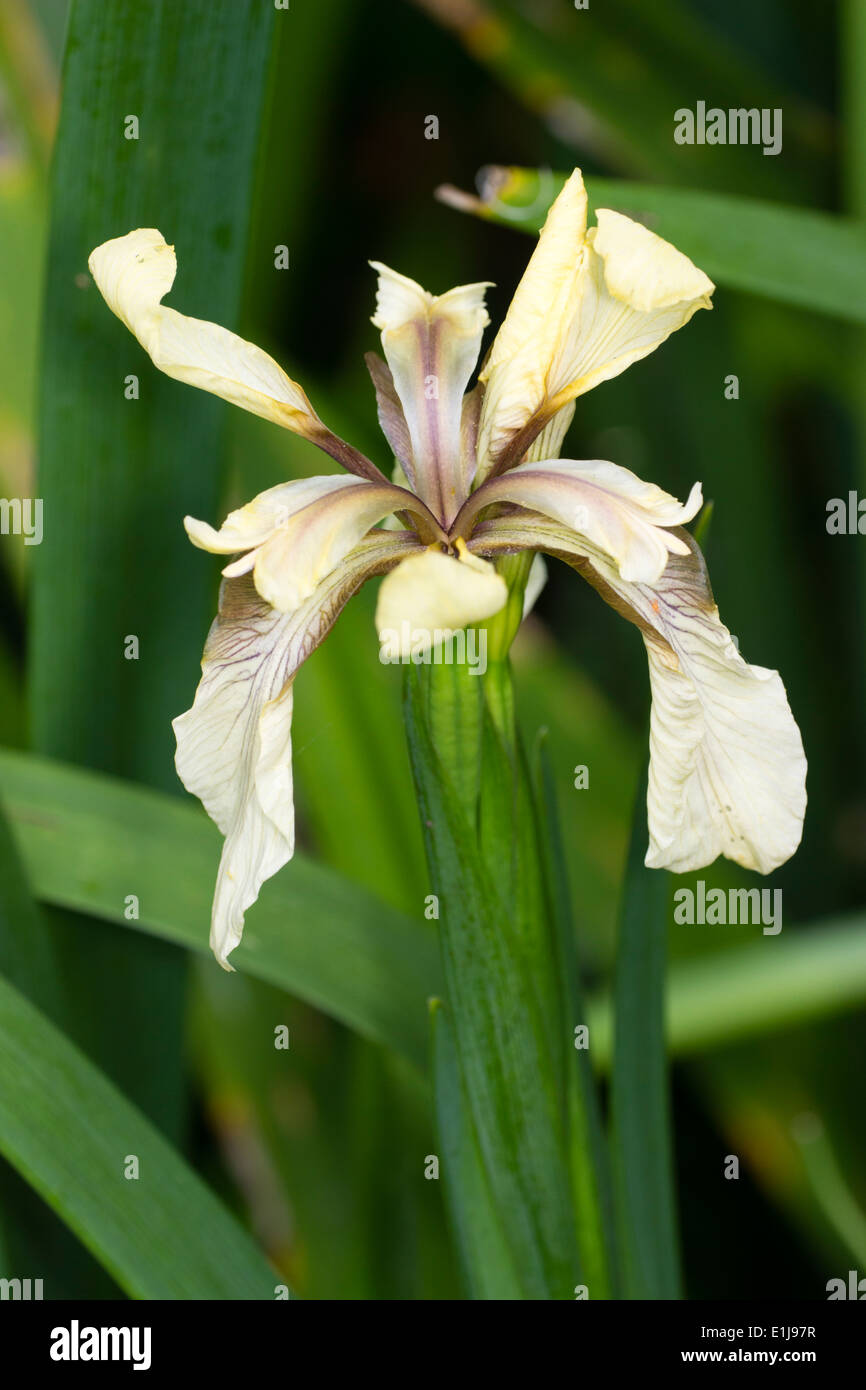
point(234, 745)
point(727, 767)
point(516, 368)
point(431, 595)
point(134, 273)
point(634, 291)
point(617, 512)
point(431, 344)
point(589, 304)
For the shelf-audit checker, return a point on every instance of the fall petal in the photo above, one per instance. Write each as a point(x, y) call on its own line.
point(234, 744)
point(727, 767)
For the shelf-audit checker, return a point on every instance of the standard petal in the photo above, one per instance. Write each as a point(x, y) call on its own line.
point(633, 291)
point(430, 596)
point(134, 272)
point(431, 344)
point(727, 767)
point(515, 371)
point(589, 304)
point(610, 507)
point(234, 744)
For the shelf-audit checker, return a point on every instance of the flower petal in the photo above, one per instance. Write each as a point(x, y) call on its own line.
point(431, 343)
point(298, 532)
point(392, 421)
point(634, 291)
point(312, 542)
point(727, 767)
point(252, 524)
point(430, 596)
point(134, 272)
point(234, 744)
point(616, 511)
point(589, 304)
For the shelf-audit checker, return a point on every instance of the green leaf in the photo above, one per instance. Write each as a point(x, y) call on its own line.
point(486, 1259)
point(609, 83)
point(589, 1157)
point(118, 475)
point(117, 472)
point(641, 1137)
point(81, 834)
point(810, 259)
point(500, 1029)
point(728, 996)
point(163, 1235)
point(89, 841)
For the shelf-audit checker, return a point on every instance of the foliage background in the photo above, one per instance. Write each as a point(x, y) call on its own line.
point(307, 128)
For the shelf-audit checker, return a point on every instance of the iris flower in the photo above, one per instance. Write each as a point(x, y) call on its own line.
point(480, 478)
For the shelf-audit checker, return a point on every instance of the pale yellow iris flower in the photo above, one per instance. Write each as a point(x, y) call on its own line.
point(483, 478)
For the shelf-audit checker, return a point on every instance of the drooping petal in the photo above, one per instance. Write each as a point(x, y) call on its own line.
point(431, 344)
point(133, 273)
point(430, 596)
point(234, 744)
point(727, 767)
point(616, 511)
point(589, 304)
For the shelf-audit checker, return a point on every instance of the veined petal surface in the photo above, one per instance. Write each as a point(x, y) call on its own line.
point(133, 274)
point(431, 343)
point(617, 512)
point(590, 303)
point(234, 747)
point(727, 767)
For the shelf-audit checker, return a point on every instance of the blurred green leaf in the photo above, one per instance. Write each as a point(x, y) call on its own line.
point(797, 256)
point(588, 1150)
point(84, 837)
point(118, 472)
point(70, 1134)
point(89, 841)
point(609, 80)
point(726, 996)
